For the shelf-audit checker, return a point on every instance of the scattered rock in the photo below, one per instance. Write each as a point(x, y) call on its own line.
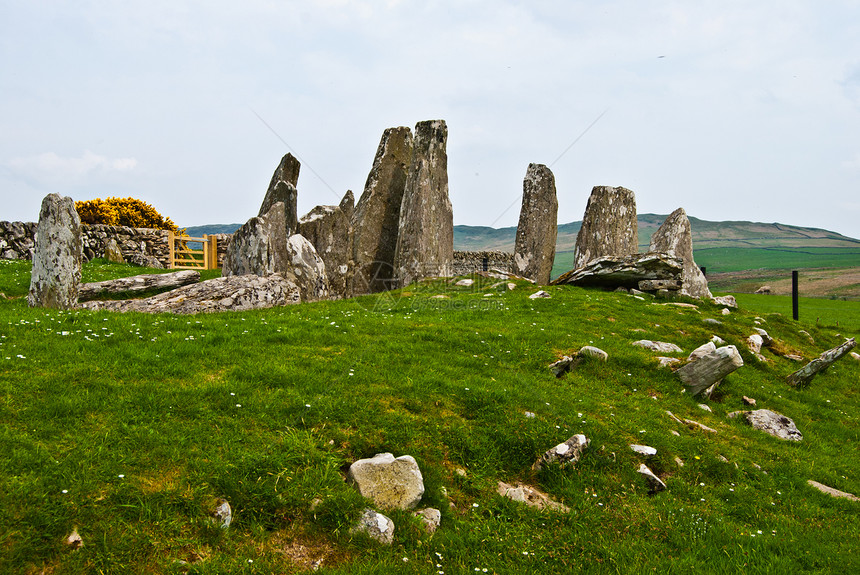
point(56, 272)
point(832, 492)
point(376, 526)
point(726, 300)
point(595, 352)
point(695, 424)
point(678, 460)
point(512, 286)
point(754, 342)
point(854, 355)
point(562, 366)
point(806, 333)
point(622, 271)
point(529, 414)
point(711, 321)
point(764, 290)
point(425, 237)
point(430, 518)
point(565, 454)
point(793, 357)
point(726, 311)
point(658, 346)
point(655, 484)
point(223, 514)
point(530, 496)
point(749, 401)
point(766, 340)
point(534, 250)
point(643, 449)
point(390, 483)
point(667, 361)
point(699, 375)
point(376, 218)
point(675, 238)
point(540, 295)
point(702, 351)
point(803, 376)
point(770, 422)
point(717, 340)
point(234, 293)
point(609, 226)
point(465, 283)
point(705, 407)
point(74, 539)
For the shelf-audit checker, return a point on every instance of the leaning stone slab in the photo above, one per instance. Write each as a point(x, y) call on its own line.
point(625, 271)
point(259, 247)
point(658, 346)
point(376, 526)
point(699, 375)
point(282, 188)
point(56, 272)
point(770, 422)
point(702, 351)
point(530, 496)
point(655, 484)
point(329, 230)
point(534, 249)
point(391, 483)
point(565, 454)
point(832, 492)
point(675, 238)
point(562, 366)
point(234, 293)
point(430, 518)
point(609, 226)
point(308, 268)
point(804, 375)
point(138, 283)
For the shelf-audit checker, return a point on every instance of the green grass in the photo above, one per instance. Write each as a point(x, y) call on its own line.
point(130, 426)
point(718, 260)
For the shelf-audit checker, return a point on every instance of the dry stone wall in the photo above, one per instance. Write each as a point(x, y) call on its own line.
point(466, 263)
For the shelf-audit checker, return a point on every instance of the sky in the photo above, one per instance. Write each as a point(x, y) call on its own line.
point(733, 110)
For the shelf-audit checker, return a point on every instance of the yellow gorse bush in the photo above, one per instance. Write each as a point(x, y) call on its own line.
point(123, 212)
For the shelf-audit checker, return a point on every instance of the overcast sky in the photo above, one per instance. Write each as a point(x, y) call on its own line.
point(734, 110)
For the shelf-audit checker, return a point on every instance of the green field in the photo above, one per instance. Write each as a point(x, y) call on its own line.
point(130, 427)
point(718, 260)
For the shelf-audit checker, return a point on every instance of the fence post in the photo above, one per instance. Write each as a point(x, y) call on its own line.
point(170, 243)
point(794, 296)
point(213, 252)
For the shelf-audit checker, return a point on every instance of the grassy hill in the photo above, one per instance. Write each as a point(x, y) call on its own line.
point(130, 427)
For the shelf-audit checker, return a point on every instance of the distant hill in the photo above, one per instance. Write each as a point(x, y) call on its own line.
point(719, 246)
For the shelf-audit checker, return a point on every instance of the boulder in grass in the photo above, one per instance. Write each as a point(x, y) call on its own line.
point(655, 484)
point(530, 496)
point(430, 518)
point(658, 346)
point(770, 422)
point(391, 483)
point(565, 454)
point(699, 375)
point(376, 526)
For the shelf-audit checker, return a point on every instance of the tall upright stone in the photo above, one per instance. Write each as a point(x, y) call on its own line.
point(425, 238)
point(329, 229)
point(538, 226)
point(282, 188)
point(377, 216)
point(609, 226)
point(56, 272)
point(675, 238)
point(260, 246)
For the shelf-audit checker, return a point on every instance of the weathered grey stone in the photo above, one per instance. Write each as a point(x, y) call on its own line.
point(138, 283)
point(675, 237)
point(646, 450)
point(530, 496)
point(764, 290)
point(113, 253)
point(773, 423)
point(425, 237)
point(259, 247)
point(376, 218)
point(656, 285)
point(623, 271)
point(146, 261)
point(376, 526)
point(537, 229)
point(595, 352)
point(56, 271)
point(702, 351)
point(699, 375)
point(658, 346)
point(749, 401)
point(655, 484)
point(609, 226)
point(726, 300)
point(540, 294)
point(804, 375)
point(282, 188)
point(831, 491)
point(234, 293)
point(754, 343)
point(667, 361)
point(74, 539)
point(223, 514)
point(390, 483)
point(562, 366)
point(430, 518)
point(565, 454)
point(307, 268)
point(766, 340)
point(329, 229)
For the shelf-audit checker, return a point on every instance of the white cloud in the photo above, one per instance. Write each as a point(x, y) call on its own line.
point(51, 167)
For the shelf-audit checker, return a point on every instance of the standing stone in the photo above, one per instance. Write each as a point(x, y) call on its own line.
point(259, 247)
point(282, 188)
point(56, 271)
point(538, 226)
point(377, 215)
point(609, 226)
point(329, 229)
point(307, 269)
point(675, 237)
point(113, 253)
point(425, 238)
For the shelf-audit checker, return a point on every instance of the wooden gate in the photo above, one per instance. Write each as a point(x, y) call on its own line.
point(183, 257)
